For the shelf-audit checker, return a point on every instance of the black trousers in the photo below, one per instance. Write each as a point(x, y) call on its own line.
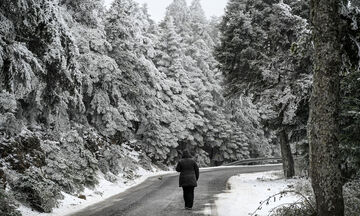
point(188, 196)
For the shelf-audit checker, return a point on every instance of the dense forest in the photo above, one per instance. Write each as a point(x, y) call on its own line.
point(302, 58)
point(82, 87)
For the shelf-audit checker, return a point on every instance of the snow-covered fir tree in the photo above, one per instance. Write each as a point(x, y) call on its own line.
point(259, 58)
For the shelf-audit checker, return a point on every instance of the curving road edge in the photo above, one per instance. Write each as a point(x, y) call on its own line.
point(161, 196)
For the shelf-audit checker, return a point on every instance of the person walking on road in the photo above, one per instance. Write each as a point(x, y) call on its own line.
point(189, 175)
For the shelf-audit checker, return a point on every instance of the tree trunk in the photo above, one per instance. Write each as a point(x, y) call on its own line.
point(287, 158)
point(323, 128)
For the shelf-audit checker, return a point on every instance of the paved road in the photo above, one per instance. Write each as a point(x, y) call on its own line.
point(161, 196)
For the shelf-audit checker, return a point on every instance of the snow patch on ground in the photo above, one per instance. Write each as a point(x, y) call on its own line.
point(104, 190)
point(237, 166)
point(248, 190)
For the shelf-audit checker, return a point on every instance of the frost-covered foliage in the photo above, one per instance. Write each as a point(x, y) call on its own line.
point(264, 55)
point(215, 129)
point(350, 92)
point(7, 206)
point(245, 113)
point(87, 12)
point(56, 130)
point(80, 89)
point(173, 82)
point(352, 197)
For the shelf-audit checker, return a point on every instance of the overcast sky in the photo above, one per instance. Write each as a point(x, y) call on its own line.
point(157, 7)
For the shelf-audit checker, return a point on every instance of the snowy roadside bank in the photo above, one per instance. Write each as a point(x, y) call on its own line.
point(246, 191)
point(102, 191)
point(105, 189)
point(236, 166)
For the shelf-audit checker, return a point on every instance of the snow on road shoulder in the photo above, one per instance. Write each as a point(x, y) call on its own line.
point(248, 190)
point(237, 166)
point(104, 190)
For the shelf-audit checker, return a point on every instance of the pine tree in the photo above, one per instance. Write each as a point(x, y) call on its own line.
point(198, 19)
point(256, 60)
point(179, 10)
point(87, 12)
point(349, 106)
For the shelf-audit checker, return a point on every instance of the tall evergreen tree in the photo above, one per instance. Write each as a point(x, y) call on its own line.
point(198, 19)
point(350, 93)
point(257, 61)
point(179, 10)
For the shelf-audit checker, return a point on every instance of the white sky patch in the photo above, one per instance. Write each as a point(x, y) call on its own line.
point(248, 190)
point(157, 7)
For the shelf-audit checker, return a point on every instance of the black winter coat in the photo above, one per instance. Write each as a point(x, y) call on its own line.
point(189, 172)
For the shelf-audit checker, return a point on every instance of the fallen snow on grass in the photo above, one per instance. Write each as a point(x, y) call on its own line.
point(246, 191)
point(104, 190)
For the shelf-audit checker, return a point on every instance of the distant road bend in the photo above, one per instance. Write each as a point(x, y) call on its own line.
point(161, 196)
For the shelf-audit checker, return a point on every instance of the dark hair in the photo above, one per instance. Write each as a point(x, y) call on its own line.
point(186, 154)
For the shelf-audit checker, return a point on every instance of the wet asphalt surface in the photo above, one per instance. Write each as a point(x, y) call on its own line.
point(161, 196)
